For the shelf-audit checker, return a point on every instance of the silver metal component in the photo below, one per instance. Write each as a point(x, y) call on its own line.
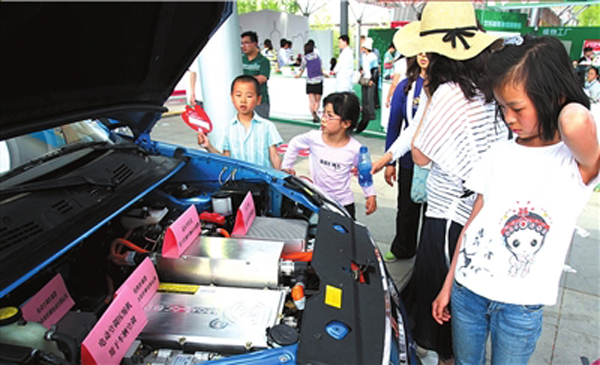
point(222, 261)
point(286, 268)
point(291, 231)
point(290, 321)
point(215, 318)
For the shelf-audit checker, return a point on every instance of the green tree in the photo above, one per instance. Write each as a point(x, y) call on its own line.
point(286, 6)
point(590, 17)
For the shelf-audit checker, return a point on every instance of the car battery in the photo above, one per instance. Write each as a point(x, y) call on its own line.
point(293, 232)
point(222, 319)
point(240, 262)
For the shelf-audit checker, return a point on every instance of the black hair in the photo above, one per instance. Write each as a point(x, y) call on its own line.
point(345, 38)
point(311, 42)
point(412, 72)
point(253, 36)
point(309, 48)
point(289, 43)
point(246, 78)
point(267, 43)
point(346, 105)
point(332, 63)
point(587, 49)
point(392, 45)
point(543, 67)
point(468, 74)
point(282, 42)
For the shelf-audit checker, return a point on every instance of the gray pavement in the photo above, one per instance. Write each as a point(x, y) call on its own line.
point(571, 333)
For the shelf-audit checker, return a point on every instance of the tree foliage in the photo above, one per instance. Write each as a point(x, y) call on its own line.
point(590, 17)
point(250, 6)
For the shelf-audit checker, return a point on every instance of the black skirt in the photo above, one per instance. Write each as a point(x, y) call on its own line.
point(314, 88)
point(428, 275)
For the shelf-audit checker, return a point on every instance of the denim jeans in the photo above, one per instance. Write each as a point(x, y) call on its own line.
point(514, 328)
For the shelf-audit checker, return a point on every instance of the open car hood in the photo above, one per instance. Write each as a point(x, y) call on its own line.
point(64, 62)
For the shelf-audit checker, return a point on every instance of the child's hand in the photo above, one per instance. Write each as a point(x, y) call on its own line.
point(371, 204)
point(381, 163)
point(354, 171)
point(203, 140)
point(439, 307)
point(390, 174)
point(289, 171)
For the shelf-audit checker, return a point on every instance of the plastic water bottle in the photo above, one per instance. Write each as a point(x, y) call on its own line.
point(364, 167)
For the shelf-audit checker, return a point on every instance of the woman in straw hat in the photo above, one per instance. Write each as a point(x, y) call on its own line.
point(458, 126)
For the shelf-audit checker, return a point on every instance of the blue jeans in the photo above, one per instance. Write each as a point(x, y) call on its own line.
point(514, 328)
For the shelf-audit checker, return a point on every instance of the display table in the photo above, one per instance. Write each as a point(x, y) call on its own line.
point(288, 97)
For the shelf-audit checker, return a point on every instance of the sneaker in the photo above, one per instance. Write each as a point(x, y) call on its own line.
point(389, 257)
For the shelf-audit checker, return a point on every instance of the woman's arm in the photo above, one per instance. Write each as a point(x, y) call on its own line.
point(578, 131)
point(439, 307)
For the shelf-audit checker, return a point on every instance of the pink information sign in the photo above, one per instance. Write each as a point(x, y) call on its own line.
point(143, 282)
point(50, 304)
point(181, 233)
point(245, 216)
point(113, 334)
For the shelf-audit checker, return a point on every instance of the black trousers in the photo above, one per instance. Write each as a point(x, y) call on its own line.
point(408, 216)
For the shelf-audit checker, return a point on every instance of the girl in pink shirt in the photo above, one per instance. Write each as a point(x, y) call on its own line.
point(333, 152)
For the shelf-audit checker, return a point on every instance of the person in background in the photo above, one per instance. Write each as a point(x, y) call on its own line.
point(298, 61)
point(586, 59)
point(407, 99)
point(192, 73)
point(269, 52)
point(314, 79)
point(375, 63)
point(315, 49)
point(388, 61)
point(282, 56)
point(256, 65)
point(511, 253)
point(333, 151)
point(592, 85)
point(400, 66)
point(247, 137)
point(369, 71)
point(290, 52)
point(332, 63)
point(344, 69)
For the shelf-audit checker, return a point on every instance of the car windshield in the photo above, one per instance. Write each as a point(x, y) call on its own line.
point(18, 151)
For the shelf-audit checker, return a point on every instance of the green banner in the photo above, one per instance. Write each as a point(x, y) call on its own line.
point(496, 20)
point(526, 4)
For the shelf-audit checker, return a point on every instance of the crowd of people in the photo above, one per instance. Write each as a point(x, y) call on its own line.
point(496, 139)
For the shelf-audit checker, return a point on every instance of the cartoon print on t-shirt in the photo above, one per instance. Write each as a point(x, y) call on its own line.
point(481, 249)
point(523, 233)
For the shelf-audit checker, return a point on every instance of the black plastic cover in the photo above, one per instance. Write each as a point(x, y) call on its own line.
point(362, 303)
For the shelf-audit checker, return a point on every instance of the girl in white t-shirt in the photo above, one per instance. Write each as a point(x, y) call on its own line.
point(333, 151)
point(530, 191)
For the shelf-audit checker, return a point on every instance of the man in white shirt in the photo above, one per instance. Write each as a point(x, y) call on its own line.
point(283, 56)
point(344, 69)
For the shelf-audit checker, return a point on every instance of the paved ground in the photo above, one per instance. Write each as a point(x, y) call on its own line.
point(571, 333)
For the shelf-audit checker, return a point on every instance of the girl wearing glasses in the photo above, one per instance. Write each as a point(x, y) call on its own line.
point(333, 151)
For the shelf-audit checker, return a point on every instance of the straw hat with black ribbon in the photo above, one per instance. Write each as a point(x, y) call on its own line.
point(446, 28)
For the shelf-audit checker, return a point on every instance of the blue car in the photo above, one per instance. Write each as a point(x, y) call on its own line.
point(87, 198)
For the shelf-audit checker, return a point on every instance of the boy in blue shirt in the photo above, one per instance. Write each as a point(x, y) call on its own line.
point(248, 137)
